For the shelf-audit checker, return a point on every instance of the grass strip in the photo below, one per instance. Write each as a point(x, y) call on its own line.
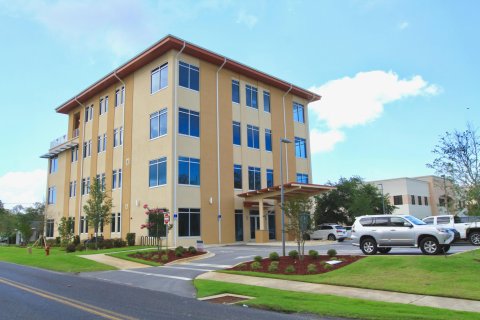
point(124, 256)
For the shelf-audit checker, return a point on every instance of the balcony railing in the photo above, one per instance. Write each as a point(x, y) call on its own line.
point(58, 141)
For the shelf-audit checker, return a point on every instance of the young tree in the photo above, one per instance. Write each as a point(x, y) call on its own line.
point(458, 160)
point(98, 208)
point(299, 222)
point(66, 230)
point(155, 224)
point(7, 222)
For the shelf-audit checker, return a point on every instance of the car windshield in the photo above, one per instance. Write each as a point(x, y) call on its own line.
point(414, 220)
point(339, 227)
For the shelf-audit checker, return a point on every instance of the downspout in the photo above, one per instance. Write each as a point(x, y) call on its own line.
point(219, 218)
point(81, 167)
point(309, 141)
point(123, 148)
point(174, 145)
point(285, 130)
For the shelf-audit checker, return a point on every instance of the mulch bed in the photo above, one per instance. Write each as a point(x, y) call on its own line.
point(300, 266)
point(155, 257)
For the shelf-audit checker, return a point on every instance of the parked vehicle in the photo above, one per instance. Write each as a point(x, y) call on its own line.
point(330, 232)
point(381, 233)
point(468, 230)
point(348, 232)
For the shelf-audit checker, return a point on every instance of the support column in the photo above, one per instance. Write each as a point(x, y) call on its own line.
point(261, 235)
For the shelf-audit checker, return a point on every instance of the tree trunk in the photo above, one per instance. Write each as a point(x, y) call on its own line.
point(96, 237)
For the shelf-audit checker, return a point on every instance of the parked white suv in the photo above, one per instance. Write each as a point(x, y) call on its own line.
point(383, 232)
point(329, 231)
point(468, 230)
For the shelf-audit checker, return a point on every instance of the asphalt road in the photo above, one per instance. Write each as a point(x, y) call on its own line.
point(30, 293)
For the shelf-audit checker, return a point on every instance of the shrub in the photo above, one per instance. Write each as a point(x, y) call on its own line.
point(257, 258)
point(293, 254)
point(76, 240)
point(180, 248)
point(290, 269)
point(255, 265)
point(108, 243)
point(274, 256)
point(242, 266)
point(91, 246)
point(327, 266)
point(71, 247)
point(79, 247)
point(119, 243)
point(273, 267)
point(192, 250)
point(332, 253)
point(311, 268)
point(58, 241)
point(155, 256)
point(313, 254)
point(131, 239)
point(163, 251)
point(164, 258)
point(179, 252)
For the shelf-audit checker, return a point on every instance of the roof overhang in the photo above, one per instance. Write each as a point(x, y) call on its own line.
point(291, 190)
point(168, 43)
point(58, 149)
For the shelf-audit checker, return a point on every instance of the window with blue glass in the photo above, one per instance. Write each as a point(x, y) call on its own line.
point(158, 123)
point(188, 122)
point(157, 172)
point(237, 176)
point(266, 101)
point(253, 140)
point(298, 113)
point(269, 178)
point(188, 171)
point(268, 140)
point(302, 177)
point(300, 148)
point(237, 133)
point(159, 78)
point(189, 76)
point(235, 91)
point(252, 96)
point(254, 178)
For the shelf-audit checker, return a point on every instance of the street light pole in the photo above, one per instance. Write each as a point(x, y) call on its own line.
point(282, 141)
point(383, 198)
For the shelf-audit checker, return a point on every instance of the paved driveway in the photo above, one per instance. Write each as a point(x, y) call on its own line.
point(177, 279)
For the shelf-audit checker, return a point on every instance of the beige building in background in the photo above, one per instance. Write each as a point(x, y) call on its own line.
point(186, 129)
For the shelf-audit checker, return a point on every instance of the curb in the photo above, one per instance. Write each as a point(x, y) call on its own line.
point(208, 254)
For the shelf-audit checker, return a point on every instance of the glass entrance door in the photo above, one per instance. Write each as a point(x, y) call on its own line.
point(238, 227)
point(271, 227)
point(254, 225)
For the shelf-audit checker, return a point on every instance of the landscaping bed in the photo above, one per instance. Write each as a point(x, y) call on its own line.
point(166, 256)
point(292, 265)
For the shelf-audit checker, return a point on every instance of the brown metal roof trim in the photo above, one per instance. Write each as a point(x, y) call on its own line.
point(168, 43)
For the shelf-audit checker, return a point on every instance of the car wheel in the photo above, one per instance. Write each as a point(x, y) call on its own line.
point(306, 237)
point(475, 238)
point(369, 246)
point(429, 246)
point(341, 239)
point(384, 250)
point(445, 248)
point(331, 237)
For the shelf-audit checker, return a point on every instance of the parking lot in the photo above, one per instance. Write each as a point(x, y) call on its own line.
point(177, 279)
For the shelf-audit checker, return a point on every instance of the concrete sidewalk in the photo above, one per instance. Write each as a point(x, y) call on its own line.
point(365, 294)
point(114, 262)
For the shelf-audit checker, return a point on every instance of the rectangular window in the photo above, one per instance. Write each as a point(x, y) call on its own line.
point(254, 179)
point(298, 113)
point(266, 101)
point(119, 96)
point(159, 78)
point(302, 178)
point(52, 195)
point(53, 164)
point(252, 96)
point(188, 222)
point(49, 228)
point(158, 123)
point(89, 113)
point(103, 105)
point(74, 155)
point(237, 134)
point(235, 91)
point(412, 197)
point(102, 143)
point(269, 178)
point(157, 172)
point(101, 181)
point(188, 171)
point(119, 178)
point(268, 140)
point(300, 148)
point(253, 140)
point(425, 200)
point(73, 188)
point(114, 179)
point(189, 76)
point(188, 122)
point(87, 148)
point(117, 137)
point(113, 224)
point(237, 176)
point(397, 200)
point(419, 200)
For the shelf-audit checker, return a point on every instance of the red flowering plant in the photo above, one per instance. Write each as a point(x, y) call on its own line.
point(155, 224)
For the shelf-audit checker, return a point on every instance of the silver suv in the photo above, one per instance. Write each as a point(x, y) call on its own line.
point(383, 232)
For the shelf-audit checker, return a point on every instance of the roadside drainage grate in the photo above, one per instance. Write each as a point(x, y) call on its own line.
point(225, 298)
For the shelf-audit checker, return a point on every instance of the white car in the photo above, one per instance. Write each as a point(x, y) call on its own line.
point(330, 232)
point(467, 230)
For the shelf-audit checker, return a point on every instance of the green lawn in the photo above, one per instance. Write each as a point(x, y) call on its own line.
point(112, 250)
point(454, 276)
point(58, 260)
point(124, 255)
point(327, 305)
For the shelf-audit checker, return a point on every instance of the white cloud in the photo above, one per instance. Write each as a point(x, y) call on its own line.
point(403, 25)
point(23, 187)
point(358, 100)
point(247, 19)
point(325, 141)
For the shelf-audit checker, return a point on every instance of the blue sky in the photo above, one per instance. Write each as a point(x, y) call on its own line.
point(394, 75)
